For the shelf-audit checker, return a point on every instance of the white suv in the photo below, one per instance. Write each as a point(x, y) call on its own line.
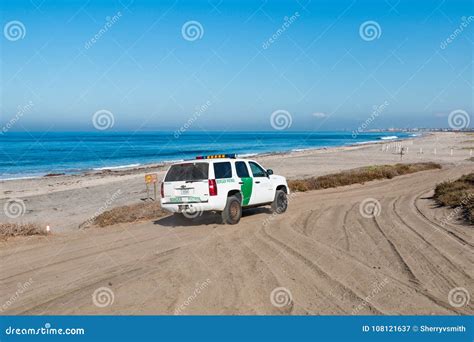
point(222, 183)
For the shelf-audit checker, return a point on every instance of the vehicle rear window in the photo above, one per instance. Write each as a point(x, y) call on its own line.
point(187, 172)
point(241, 169)
point(222, 170)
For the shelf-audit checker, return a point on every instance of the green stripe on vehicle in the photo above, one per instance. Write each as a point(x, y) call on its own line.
point(246, 188)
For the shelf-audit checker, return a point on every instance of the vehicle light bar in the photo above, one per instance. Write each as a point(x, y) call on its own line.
point(217, 156)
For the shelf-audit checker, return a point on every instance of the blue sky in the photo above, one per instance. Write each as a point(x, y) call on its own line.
point(144, 71)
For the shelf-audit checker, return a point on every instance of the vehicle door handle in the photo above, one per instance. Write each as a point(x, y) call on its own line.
point(257, 182)
point(241, 182)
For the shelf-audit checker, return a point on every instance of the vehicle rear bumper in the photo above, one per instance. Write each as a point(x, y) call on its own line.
point(189, 206)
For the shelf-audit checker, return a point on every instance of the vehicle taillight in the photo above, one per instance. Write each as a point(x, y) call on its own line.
point(162, 191)
point(212, 187)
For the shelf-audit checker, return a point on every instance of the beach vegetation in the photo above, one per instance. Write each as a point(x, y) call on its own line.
point(458, 194)
point(359, 176)
point(8, 230)
point(130, 213)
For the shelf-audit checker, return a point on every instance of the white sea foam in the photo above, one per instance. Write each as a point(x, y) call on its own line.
point(364, 142)
point(306, 149)
point(115, 167)
point(20, 177)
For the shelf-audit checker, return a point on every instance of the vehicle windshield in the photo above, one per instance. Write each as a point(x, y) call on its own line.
point(187, 172)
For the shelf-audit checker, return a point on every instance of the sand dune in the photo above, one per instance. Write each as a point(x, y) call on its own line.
point(325, 255)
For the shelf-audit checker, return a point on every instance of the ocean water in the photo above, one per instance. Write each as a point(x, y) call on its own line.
point(27, 154)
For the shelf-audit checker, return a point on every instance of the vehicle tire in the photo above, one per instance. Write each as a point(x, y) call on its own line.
point(232, 211)
point(280, 203)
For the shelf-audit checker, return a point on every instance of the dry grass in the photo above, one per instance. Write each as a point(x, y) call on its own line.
point(25, 229)
point(458, 193)
point(360, 175)
point(130, 213)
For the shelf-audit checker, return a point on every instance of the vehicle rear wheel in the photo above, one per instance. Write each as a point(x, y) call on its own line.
point(232, 211)
point(280, 203)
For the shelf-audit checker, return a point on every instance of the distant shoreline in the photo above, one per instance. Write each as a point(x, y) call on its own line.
point(138, 167)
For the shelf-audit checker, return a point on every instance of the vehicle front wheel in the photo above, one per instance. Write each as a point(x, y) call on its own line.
point(280, 203)
point(232, 211)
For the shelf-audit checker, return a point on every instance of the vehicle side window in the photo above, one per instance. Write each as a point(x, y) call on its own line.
point(222, 170)
point(257, 171)
point(241, 169)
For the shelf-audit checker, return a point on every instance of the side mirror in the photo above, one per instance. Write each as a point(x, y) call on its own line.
point(269, 172)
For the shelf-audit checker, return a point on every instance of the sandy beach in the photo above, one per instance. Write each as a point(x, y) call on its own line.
point(65, 202)
point(329, 257)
